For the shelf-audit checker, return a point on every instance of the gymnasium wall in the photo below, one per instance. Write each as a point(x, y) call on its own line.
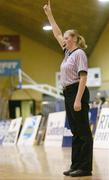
point(100, 57)
point(38, 61)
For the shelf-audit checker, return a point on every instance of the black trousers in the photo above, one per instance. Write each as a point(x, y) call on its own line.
point(82, 141)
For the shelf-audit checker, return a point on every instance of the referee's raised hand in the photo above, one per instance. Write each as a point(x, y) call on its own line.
point(47, 8)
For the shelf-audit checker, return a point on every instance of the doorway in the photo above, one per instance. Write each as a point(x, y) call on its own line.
point(21, 108)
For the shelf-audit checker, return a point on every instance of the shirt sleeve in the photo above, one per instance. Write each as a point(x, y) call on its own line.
point(82, 65)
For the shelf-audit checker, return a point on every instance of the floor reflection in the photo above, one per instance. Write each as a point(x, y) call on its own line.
point(39, 163)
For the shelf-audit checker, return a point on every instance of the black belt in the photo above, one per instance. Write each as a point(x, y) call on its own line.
point(70, 86)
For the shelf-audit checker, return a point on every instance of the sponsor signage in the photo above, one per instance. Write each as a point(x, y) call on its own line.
point(29, 130)
point(13, 132)
point(55, 129)
point(9, 67)
point(101, 139)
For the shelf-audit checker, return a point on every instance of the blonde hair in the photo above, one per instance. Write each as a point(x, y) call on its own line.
point(80, 39)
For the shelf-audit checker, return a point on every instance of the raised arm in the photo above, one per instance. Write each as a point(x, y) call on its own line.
point(56, 30)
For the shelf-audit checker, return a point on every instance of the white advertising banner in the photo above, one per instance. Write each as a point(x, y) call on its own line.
point(4, 126)
point(29, 130)
point(55, 129)
point(101, 139)
point(13, 132)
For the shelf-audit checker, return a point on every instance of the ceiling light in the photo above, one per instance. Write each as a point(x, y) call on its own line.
point(104, 0)
point(10, 48)
point(47, 27)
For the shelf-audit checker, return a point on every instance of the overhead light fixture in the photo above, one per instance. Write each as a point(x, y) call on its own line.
point(47, 28)
point(104, 0)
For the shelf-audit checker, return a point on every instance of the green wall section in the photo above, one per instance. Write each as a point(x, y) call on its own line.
point(100, 57)
point(38, 61)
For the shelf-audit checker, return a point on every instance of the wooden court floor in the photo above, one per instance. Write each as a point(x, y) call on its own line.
point(38, 163)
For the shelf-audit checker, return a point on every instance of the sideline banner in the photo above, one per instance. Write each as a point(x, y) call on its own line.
point(55, 129)
point(101, 139)
point(4, 126)
point(93, 119)
point(29, 130)
point(68, 137)
point(13, 132)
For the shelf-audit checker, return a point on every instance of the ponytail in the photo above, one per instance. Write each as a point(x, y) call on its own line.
point(79, 39)
point(81, 42)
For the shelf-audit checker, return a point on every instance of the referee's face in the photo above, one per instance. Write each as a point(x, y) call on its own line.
point(68, 41)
